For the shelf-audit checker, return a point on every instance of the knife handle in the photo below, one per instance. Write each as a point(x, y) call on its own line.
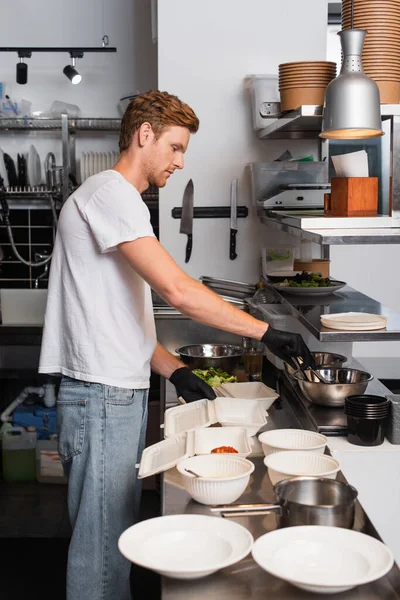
point(232, 245)
point(189, 247)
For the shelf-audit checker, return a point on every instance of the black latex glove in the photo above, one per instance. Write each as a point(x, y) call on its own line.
point(191, 387)
point(288, 345)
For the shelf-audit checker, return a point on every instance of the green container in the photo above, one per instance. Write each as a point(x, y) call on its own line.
point(18, 455)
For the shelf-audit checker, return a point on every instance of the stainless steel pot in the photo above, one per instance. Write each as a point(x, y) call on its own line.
point(343, 382)
point(304, 501)
point(322, 359)
point(204, 356)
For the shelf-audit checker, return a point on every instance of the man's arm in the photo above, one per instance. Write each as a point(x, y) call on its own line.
point(164, 363)
point(187, 384)
point(149, 259)
point(152, 262)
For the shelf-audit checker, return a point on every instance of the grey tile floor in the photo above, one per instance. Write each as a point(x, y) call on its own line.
point(34, 538)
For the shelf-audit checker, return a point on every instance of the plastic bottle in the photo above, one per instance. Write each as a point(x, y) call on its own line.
point(18, 454)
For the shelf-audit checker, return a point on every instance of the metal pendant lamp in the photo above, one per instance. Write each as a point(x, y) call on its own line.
point(352, 108)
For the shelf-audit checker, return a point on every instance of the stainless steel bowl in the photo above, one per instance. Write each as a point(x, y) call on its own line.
point(322, 359)
point(342, 383)
point(204, 356)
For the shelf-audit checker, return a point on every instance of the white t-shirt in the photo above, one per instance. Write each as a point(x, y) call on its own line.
point(99, 322)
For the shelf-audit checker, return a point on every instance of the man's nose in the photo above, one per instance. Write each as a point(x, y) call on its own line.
point(179, 161)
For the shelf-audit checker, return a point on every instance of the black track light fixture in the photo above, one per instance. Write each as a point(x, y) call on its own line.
point(22, 67)
point(70, 71)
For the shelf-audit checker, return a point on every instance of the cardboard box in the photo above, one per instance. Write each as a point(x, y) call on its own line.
point(317, 265)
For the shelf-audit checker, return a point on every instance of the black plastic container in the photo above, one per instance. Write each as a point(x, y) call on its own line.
point(366, 419)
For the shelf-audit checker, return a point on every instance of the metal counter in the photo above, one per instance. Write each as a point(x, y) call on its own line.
point(246, 579)
point(308, 310)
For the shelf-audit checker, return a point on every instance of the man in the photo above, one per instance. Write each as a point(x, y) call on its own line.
point(99, 334)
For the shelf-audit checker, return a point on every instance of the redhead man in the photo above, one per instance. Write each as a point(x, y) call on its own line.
point(99, 334)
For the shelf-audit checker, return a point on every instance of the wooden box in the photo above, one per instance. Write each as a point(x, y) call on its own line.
point(352, 197)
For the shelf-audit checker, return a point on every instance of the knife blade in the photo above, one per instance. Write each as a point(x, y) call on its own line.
point(187, 218)
point(233, 232)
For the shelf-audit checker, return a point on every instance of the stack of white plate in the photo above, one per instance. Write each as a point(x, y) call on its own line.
point(95, 162)
point(354, 321)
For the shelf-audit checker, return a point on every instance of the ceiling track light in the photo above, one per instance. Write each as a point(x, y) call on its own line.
point(69, 70)
point(22, 67)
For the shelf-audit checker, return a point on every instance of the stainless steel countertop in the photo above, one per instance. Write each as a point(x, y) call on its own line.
point(308, 309)
point(246, 579)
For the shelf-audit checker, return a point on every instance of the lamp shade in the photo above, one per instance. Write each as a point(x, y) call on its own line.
point(352, 102)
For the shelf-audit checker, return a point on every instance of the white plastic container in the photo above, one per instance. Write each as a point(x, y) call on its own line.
point(277, 259)
point(187, 433)
point(223, 479)
point(49, 467)
point(284, 465)
point(229, 412)
point(250, 390)
point(263, 89)
point(280, 440)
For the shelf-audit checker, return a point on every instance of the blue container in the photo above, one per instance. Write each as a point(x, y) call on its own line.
point(41, 417)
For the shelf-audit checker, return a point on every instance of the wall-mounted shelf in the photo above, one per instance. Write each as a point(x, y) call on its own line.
point(380, 230)
point(305, 122)
point(302, 122)
point(47, 124)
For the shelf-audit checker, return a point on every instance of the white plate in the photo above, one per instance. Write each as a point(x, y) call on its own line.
point(185, 546)
point(3, 170)
point(34, 167)
point(354, 321)
point(311, 291)
point(325, 560)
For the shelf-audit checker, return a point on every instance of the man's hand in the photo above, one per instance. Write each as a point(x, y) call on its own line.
point(189, 386)
point(288, 345)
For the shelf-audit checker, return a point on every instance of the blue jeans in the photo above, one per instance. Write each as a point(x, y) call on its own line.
point(101, 437)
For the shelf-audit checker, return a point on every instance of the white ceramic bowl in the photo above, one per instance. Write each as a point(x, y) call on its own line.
point(280, 440)
point(325, 560)
point(297, 463)
point(185, 546)
point(224, 477)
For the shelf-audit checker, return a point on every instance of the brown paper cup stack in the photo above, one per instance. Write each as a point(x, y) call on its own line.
point(381, 52)
point(304, 82)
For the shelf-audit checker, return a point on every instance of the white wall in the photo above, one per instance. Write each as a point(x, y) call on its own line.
point(206, 48)
point(106, 77)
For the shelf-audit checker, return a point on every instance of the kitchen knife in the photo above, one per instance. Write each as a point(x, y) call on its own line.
point(232, 241)
point(187, 218)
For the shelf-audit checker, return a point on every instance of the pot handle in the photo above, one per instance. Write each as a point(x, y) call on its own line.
point(245, 510)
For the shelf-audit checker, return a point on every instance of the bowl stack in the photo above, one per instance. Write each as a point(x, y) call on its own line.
point(304, 82)
point(366, 417)
point(381, 52)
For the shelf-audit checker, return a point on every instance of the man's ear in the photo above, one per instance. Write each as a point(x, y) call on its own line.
point(145, 133)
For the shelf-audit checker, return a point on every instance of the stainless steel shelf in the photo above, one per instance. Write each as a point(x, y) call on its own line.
point(306, 121)
point(302, 122)
point(298, 227)
point(308, 310)
point(43, 124)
